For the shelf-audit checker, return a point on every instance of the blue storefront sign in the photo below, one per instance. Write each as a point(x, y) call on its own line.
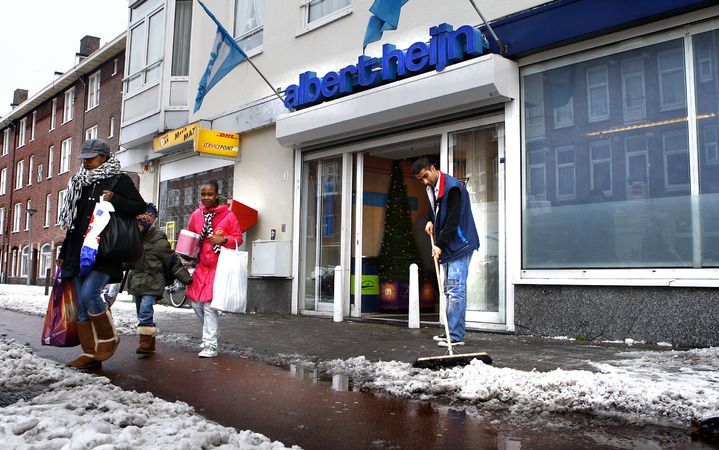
point(446, 46)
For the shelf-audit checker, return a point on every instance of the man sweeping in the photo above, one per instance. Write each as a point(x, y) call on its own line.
point(452, 228)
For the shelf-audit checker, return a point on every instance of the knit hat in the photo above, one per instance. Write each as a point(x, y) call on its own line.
point(147, 218)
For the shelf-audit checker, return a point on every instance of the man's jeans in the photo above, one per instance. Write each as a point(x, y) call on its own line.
point(89, 294)
point(144, 304)
point(455, 291)
point(208, 317)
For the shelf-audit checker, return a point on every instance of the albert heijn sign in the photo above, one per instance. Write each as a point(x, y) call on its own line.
point(446, 46)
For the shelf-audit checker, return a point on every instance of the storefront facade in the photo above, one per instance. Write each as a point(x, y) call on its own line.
point(592, 179)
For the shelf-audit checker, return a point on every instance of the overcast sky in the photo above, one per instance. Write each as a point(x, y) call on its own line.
point(39, 37)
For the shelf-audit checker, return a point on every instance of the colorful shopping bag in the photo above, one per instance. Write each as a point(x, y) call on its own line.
point(59, 329)
point(229, 291)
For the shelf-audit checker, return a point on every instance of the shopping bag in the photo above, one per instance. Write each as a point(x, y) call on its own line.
point(229, 292)
point(59, 329)
point(120, 240)
point(98, 222)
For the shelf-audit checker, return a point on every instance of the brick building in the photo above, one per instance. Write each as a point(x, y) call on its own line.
point(40, 141)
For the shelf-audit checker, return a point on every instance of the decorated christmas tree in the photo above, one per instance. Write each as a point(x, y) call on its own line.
point(399, 248)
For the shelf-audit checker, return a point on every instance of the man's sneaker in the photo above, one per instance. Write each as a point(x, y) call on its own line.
point(444, 343)
point(440, 337)
point(208, 352)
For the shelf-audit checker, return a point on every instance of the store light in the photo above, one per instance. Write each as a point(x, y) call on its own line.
point(647, 125)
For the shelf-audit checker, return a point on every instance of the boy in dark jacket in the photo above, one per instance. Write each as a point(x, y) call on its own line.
point(146, 281)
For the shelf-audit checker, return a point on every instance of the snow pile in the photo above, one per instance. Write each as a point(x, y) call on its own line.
point(75, 410)
point(652, 396)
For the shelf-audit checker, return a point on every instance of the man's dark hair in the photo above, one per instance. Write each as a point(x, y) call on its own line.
point(419, 165)
point(211, 182)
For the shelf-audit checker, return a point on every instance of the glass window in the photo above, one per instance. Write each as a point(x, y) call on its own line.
point(60, 202)
point(633, 93)
point(93, 90)
point(30, 169)
point(3, 181)
point(53, 114)
point(249, 19)
point(21, 128)
point(19, 174)
point(181, 38)
point(48, 209)
point(69, 105)
point(534, 106)
point(155, 43)
point(32, 125)
point(706, 50)
point(45, 260)
point(24, 261)
point(6, 141)
point(318, 12)
point(2, 220)
point(91, 133)
point(598, 93)
point(17, 212)
point(611, 195)
point(112, 127)
point(65, 153)
point(50, 160)
point(136, 61)
point(28, 215)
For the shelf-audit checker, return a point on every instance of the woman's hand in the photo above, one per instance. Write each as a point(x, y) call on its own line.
point(107, 195)
point(217, 240)
point(58, 262)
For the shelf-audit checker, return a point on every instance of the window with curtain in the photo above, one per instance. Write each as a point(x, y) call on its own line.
point(318, 12)
point(249, 20)
point(181, 38)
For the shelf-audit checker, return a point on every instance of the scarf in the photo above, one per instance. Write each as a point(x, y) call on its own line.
point(81, 179)
point(208, 230)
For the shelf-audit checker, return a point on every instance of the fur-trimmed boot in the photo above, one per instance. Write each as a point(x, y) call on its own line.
point(87, 342)
point(147, 339)
point(106, 338)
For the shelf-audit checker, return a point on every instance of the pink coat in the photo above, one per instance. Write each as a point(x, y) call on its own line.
point(224, 223)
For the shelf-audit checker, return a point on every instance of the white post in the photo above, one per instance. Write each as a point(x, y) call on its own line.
point(413, 296)
point(338, 316)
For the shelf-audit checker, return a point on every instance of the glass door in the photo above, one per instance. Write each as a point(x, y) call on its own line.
point(475, 155)
point(321, 232)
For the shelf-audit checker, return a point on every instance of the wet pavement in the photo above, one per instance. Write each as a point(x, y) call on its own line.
point(297, 405)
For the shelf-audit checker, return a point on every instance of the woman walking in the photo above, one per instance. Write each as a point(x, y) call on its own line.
point(217, 226)
point(98, 177)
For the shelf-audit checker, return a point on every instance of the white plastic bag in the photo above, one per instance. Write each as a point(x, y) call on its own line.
point(229, 292)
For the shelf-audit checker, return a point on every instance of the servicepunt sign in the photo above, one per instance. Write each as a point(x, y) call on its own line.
point(446, 46)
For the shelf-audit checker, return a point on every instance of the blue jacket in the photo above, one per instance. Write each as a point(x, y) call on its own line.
point(466, 239)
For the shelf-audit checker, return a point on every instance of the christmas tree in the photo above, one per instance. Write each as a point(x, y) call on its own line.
point(399, 248)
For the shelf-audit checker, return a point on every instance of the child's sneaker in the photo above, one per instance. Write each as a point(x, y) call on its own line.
point(208, 352)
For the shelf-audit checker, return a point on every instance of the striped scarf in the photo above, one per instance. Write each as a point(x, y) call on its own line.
point(208, 230)
point(83, 178)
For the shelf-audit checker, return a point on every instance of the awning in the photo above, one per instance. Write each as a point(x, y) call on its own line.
point(486, 80)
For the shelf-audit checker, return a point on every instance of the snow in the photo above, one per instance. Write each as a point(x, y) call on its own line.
point(665, 387)
point(73, 410)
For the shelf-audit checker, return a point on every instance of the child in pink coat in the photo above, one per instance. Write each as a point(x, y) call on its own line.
point(217, 227)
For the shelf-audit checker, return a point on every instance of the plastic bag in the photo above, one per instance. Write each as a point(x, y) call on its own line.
point(229, 292)
point(98, 222)
point(59, 329)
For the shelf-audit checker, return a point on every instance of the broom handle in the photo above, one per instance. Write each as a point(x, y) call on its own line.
point(442, 300)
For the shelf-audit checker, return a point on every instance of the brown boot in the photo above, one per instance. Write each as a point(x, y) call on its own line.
point(147, 339)
point(106, 338)
point(87, 342)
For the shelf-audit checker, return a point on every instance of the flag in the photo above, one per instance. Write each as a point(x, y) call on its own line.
point(225, 55)
point(385, 16)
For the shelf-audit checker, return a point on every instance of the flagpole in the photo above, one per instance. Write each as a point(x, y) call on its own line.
point(502, 47)
point(266, 80)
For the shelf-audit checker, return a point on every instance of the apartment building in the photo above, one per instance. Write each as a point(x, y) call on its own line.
point(41, 140)
point(589, 148)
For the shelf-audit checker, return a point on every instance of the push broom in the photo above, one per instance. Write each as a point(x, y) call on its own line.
point(450, 359)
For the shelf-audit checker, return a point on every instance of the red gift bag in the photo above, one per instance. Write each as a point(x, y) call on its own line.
point(59, 329)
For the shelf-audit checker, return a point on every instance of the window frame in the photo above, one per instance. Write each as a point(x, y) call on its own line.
point(93, 90)
point(28, 207)
point(65, 156)
point(91, 133)
point(596, 161)
point(60, 200)
point(53, 114)
point(665, 158)
point(17, 211)
point(307, 26)
point(48, 210)
point(663, 105)
point(6, 142)
point(50, 161)
point(558, 166)
point(247, 34)
point(145, 67)
point(68, 106)
point(32, 126)
point(626, 77)
point(3, 181)
point(30, 169)
point(605, 89)
point(21, 130)
point(2, 220)
point(19, 174)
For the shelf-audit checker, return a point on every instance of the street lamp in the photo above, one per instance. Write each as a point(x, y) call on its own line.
point(30, 212)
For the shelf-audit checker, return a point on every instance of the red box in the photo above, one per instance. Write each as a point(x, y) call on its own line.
point(245, 215)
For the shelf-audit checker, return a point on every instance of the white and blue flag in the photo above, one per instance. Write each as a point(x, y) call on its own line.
point(225, 55)
point(385, 16)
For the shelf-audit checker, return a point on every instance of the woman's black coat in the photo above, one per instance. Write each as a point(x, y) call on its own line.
point(127, 202)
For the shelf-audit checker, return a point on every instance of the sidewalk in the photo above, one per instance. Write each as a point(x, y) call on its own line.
point(285, 338)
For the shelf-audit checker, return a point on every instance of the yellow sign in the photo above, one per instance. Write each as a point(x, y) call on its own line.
point(208, 142)
point(170, 232)
point(174, 137)
point(219, 143)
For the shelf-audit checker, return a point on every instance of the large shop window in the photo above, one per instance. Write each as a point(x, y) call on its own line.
point(607, 161)
point(179, 197)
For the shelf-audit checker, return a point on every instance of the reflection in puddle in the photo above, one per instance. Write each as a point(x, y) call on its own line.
point(304, 373)
point(340, 382)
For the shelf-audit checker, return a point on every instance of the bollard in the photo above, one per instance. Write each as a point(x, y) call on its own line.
point(47, 281)
point(338, 316)
point(413, 296)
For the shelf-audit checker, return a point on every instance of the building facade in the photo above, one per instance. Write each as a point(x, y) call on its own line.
point(589, 148)
point(41, 140)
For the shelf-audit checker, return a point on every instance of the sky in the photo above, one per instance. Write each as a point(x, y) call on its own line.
point(667, 388)
point(39, 37)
